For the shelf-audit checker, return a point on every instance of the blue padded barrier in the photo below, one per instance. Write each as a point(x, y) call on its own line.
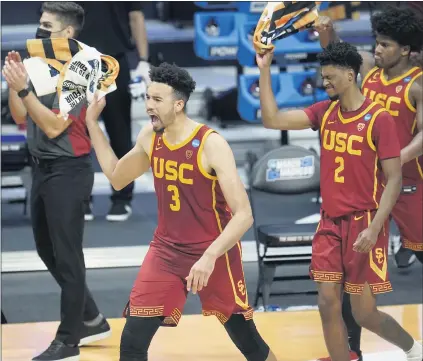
point(287, 90)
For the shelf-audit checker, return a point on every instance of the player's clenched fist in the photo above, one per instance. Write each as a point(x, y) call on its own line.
point(323, 23)
point(200, 273)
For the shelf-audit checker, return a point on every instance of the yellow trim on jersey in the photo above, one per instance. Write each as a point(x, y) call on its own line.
point(199, 155)
point(228, 265)
point(326, 115)
point(375, 181)
point(370, 128)
point(419, 168)
point(357, 117)
point(397, 79)
point(381, 272)
point(369, 74)
point(153, 140)
point(407, 91)
point(373, 147)
point(185, 142)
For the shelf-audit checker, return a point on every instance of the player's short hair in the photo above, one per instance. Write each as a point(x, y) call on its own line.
point(174, 76)
point(68, 13)
point(343, 55)
point(401, 25)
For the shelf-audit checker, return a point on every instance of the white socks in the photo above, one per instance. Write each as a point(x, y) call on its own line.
point(416, 352)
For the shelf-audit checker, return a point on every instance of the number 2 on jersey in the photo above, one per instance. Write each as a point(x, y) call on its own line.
point(339, 178)
point(176, 205)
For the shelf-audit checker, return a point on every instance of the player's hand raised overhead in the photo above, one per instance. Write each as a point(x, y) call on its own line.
point(200, 273)
point(265, 60)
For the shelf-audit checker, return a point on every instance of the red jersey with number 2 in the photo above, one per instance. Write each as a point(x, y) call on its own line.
point(192, 210)
point(352, 146)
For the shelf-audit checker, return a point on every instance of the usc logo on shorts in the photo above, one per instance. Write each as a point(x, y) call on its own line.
point(378, 262)
point(241, 288)
point(379, 255)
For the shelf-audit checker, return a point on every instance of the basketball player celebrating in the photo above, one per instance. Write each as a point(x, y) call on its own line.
point(359, 141)
point(391, 79)
point(203, 211)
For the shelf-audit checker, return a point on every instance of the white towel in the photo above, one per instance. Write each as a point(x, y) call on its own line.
point(75, 80)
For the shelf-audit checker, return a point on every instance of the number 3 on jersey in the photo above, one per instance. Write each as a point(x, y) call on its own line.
point(176, 205)
point(339, 178)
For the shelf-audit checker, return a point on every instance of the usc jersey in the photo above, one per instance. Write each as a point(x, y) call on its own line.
point(352, 146)
point(192, 210)
point(393, 95)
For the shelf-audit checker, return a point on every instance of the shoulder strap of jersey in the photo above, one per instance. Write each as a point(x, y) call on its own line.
point(371, 123)
point(414, 75)
point(332, 105)
point(369, 74)
point(203, 134)
point(152, 145)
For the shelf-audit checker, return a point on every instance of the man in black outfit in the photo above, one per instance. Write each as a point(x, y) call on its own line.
point(115, 28)
point(62, 180)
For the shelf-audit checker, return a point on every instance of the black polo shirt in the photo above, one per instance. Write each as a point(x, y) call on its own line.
point(107, 25)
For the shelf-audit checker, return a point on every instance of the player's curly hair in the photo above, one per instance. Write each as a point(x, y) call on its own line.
point(341, 54)
point(401, 25)
point(174, 76)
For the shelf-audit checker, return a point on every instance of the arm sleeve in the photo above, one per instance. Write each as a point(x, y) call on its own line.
point(133, 6)
point(315, 113)
point(385, 137)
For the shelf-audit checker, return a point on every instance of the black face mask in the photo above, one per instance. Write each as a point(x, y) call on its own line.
point(42, 34)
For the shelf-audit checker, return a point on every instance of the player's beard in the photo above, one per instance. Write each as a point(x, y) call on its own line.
point(334, 97)
point(159, 130)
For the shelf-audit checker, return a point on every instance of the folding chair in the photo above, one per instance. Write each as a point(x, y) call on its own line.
point(285, 170)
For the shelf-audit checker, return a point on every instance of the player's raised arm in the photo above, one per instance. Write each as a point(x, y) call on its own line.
point(327, 34)
point(219, 157)
point(271, 116)
point(120, 172)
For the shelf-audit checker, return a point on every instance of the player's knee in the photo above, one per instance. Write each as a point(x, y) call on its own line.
point(329, 301)
point(136, 337)
point(246, 337)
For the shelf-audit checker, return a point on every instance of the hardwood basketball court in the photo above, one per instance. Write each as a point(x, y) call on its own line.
point(293, 336)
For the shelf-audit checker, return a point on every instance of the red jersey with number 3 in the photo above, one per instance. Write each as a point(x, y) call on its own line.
point(352, 146)
point(192, 210)
point(393, 95)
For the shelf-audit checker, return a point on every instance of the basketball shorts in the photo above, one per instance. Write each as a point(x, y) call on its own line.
point(334, 260)
point(160, 287)
point(408, 215)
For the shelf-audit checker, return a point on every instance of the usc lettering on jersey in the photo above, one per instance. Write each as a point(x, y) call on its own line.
point(191, 207)
point(393, 95)
point(352, 145)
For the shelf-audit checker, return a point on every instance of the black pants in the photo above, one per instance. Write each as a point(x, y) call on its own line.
point(117, 120)
point(59, 189)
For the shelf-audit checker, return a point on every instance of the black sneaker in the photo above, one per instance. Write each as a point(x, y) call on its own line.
point(89, 216)
point(404, 257)
point(92, 334)
point(119, 212)
point(58, 351)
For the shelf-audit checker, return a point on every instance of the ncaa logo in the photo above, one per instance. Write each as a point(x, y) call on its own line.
point(367, 117)
point(195, 143)
point(360, 126)
point(407, 79)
